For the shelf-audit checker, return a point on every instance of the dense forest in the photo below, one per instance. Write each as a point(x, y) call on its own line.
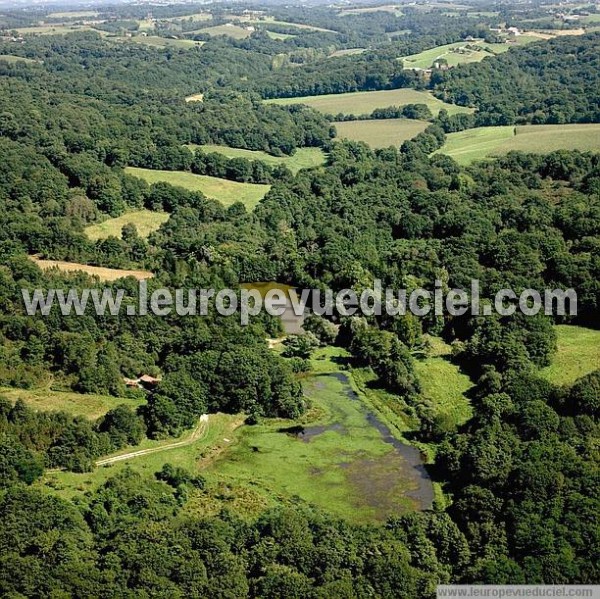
point(518, 481)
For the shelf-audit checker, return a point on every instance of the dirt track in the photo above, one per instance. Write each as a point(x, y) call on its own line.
point(200, 431)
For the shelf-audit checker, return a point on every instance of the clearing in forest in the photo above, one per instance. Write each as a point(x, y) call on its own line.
point(225, 191)
point(360, 103)
point(380, 133)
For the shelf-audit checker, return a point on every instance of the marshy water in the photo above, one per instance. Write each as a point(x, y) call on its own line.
point(376, 478)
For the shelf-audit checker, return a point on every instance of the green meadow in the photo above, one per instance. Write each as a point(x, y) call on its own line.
point(70, 484)
point(156, 41)
point(444, 384)
point(46, 400)
point(302, 158)
point(146, 222)
point(474, 144)
point(234, 31)
point(360, 103)
point(578, 354)
point(461, 52)
point(11, 59)
point(380, 133)
point(226, 192)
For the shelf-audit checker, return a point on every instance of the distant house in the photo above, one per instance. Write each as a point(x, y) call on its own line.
point(513, 31)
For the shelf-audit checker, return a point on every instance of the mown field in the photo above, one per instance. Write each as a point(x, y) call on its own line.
point(473, 144)
point(380, 133)
point(226, 192)
point(302, 158)
point(91, 406)
point(146, 222)
point(578, 354)
point(104, 274)
point(360, 103)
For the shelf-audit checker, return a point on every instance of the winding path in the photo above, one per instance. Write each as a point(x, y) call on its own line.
point(198, 433)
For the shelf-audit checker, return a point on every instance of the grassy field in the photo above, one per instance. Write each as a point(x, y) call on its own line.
point(591, 19)
point(77, 404)
point(156, 41)
point(104, 274)
point(359, 103)
point(237, 33)
point(280, 36)
point(200, 16)
point(380, 133)
point(195, 98)
point(302, 158)
point(333, 457)
point(146, 222)
point(578, 354)
point(56, 29)
point(444, 384)
point(347, 52)
point(220, 426)
point(391, 8)
point(454, 54)
point(472, 144)
point(226, 192)
point(14, 59)
point(76, 14)
point(264, 23)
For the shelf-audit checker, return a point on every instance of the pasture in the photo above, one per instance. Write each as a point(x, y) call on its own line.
point(380, 133)
point(77, 404)
point(361, 103)
point(229, 29)
point(103, 274)
point(578, 354)
point(302, 158)
point(146, 222)
point(474, 144)
point(226, 192)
